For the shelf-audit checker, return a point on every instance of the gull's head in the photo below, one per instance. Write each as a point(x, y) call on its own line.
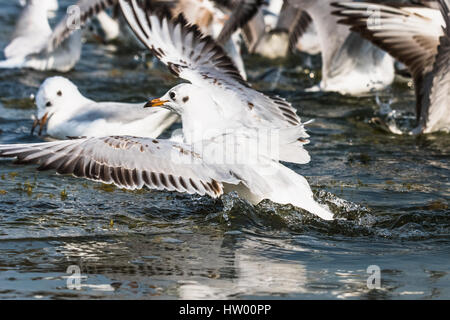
point(179, 98)
point(54, 95)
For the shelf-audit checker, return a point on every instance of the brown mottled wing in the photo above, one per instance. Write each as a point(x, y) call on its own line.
point(408, 33)
point(241, 13)
point(127, 162)
point(86, 10)
point(200, 60)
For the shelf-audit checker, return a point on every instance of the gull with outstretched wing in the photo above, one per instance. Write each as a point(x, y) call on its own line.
point(198, 59)
point(224, 121)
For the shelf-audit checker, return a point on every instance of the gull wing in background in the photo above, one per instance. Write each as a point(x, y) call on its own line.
point(295, 21)
point(242, 11)
point(254, 31)
point(198, 59)
point(436, 114)
point(127, 162)
point(350, 64)
point(88, 9)
point(415, 36)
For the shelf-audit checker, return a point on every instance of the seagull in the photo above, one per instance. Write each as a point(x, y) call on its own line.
point(350, 64)
point(36, 46)
point(223, 121)
point(67, 113)
point(419, 37)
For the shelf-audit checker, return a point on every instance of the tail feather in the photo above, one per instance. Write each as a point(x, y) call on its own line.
point(287, 186)
point(318, 210)
point(291, 145)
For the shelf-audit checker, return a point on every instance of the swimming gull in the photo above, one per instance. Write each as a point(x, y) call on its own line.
point(35, 45)
point(67, 113)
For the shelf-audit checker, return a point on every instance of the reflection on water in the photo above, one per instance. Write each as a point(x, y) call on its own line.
point(390, 194)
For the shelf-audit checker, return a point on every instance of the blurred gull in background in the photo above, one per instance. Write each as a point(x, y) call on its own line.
point(350, 64)
point(35, 45)
point(50, 5)
point(419, 37)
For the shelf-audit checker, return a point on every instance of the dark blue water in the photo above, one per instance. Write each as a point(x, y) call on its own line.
point(391, 193)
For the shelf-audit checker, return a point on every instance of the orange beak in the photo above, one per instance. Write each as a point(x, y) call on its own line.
point(41, 123)
point(155, 103)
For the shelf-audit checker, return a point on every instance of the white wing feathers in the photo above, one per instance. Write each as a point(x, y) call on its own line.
point(198, 59)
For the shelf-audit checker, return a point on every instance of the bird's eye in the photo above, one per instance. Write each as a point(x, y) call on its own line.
point(48, 104)
point(172, 95)
point(59, 93)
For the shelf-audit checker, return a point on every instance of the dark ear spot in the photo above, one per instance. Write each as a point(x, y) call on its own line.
point(185, 99)
point(59, 93)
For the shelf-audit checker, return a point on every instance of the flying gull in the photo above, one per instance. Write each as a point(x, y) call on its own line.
point(222, 117)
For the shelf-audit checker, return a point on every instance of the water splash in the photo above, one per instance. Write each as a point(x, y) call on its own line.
point(351, 219)
point(386, 116)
